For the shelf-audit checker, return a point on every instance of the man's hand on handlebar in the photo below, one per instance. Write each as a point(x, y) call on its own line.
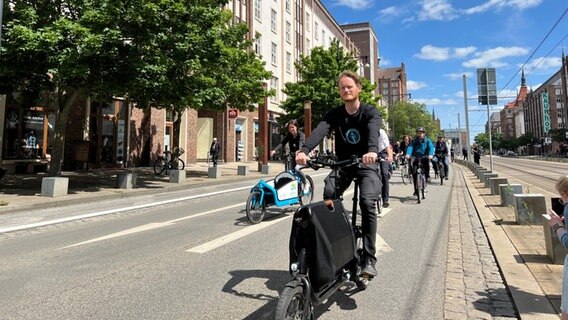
point(369, 157)
point(302, 158)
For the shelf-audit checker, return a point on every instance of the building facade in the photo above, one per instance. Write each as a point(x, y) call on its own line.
point(391, 84)
point(117, 134)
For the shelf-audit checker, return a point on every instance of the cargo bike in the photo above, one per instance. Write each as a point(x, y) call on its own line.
point(326, 252)
point(288, 188)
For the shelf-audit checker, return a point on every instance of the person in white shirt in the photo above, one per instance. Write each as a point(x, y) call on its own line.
point(386, 155)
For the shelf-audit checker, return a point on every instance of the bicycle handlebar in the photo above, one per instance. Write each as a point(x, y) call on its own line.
point(333, 164)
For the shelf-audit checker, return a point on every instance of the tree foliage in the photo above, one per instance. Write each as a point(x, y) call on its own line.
point(318, 83)
point(170, 53)
point(407, 116)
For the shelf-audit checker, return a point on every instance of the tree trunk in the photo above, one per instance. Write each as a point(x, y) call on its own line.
point(176, 136)
point(58, 142)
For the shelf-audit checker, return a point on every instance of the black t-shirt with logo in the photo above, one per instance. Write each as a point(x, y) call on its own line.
point(355, 134)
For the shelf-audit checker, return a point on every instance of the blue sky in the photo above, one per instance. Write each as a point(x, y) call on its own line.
point(440, 40)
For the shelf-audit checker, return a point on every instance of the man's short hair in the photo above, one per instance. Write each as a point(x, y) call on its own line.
point(352, 75)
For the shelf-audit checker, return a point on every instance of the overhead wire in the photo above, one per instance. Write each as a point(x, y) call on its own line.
point(536, 49)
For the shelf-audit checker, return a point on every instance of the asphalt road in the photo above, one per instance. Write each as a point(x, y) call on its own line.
point(192, 255)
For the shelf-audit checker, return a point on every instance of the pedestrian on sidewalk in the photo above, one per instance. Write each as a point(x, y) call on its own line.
point(476, 153)
point(214, 151)
point(559, 227)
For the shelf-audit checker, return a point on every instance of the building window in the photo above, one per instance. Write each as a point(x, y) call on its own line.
point(288, 6)
point(288, 32)
point(274, 53)
point(316, 30)
point(258, 9)
point(288, 62)
point(307, 21)
point(308, 44)
point(273, 20)
point(275, 85)
point(26, 133)
point(323, 37)
point(257, 45)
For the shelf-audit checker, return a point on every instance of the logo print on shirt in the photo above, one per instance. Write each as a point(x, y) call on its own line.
point(352, 136)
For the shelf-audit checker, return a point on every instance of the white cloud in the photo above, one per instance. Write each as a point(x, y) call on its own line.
point(458, 75)
point(430, 52)
point(464, 52)
point(492, 58)
point(390, 14)
point(415, 85)
point(385, 62)
point(502, 4)
point(354, 4)
point(432, 102)
point(440, 10)
point(543, 63)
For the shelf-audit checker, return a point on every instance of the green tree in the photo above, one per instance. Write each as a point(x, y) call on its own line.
point(54, 53)
point(200, 60)
point(482, 139)
point(169, 54)
point(407, 116)
point(318, 83)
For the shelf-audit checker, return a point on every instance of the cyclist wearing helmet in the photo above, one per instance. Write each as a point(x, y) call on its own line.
point(421, 146)
point(441, 152)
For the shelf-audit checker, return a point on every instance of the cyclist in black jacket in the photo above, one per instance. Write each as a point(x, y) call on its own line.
point(356, 127)
point(295, 140)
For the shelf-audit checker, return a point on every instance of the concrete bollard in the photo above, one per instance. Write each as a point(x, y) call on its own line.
point(177, 176)
point(264, 169)
point(54, 186)
point(126, 180)
point(480, 171)
point(242, 170)
point(507, 191)
point(214, 172)
point(485, 178)
point(494, 185)
point(529, 208)
point(554, 249)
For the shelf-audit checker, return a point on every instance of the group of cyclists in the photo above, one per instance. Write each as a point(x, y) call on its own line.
point(357, 131)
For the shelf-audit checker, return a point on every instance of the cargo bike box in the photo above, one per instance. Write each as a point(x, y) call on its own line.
point(327, 236)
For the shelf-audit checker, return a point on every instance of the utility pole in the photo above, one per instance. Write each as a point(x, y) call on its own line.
point(466, 118)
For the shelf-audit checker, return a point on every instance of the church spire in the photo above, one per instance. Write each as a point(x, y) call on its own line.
point(523, 79)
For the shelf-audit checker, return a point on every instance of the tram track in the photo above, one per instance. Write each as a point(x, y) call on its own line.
point(531, 173)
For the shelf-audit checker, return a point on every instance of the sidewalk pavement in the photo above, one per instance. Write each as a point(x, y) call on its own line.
point(532, 279)
point(23, 191)
point(473, 281)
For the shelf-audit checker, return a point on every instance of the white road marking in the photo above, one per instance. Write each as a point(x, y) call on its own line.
point(122, 209)
point(216, 243)
point(151, 226)
point(381, 246)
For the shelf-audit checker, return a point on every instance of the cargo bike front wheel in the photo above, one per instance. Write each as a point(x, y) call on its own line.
point(255, 208)
point(292, 304)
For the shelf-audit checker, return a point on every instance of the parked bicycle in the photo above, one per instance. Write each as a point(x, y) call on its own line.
point(288, 188)
point(326, 252)
point(418, 173)
point(168, 161)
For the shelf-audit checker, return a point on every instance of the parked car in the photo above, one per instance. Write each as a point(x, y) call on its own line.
point(511, 154)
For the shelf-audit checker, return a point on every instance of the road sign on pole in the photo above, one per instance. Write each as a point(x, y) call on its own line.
point(487, 92)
